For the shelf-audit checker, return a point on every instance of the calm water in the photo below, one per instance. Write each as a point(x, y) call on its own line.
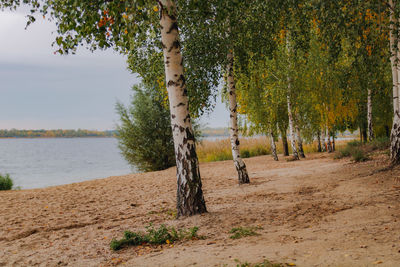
point(35, 163)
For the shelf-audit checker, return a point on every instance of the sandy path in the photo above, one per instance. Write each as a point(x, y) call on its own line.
point(314, 212)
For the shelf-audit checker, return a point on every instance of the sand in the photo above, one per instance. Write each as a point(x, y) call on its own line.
point(313, 212)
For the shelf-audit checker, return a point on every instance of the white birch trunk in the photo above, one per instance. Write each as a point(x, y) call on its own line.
point(234, 130)
point(397, 59)
point(289, 104)
point(319, 141)
point(395, 140)
point(273, 147)
point(190, 198)
point(323, 140)
point(299, 139)
point(369, 115)
point(394, 60)
point(329, 144)
point(291, 127)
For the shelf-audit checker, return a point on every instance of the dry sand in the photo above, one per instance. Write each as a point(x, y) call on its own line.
point(314, 212)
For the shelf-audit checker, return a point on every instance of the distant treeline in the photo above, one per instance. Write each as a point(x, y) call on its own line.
point(214, 131)
point(54, 133)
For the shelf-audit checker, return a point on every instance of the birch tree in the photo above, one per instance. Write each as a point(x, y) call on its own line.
point(128, 27)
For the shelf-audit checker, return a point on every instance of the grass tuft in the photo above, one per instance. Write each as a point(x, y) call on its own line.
point(6, 183)
point(154, 236)
point(239, 232)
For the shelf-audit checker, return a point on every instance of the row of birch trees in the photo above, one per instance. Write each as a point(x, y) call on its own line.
point(303, 68)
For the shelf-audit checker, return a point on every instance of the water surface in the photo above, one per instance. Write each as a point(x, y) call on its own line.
point(42, 162)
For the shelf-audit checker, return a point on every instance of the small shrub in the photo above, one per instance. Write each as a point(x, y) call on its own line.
point(342, 153)
point(358, 155)
point(240, 232)
point(6, 183)
point(379, 143)
point(162, 235)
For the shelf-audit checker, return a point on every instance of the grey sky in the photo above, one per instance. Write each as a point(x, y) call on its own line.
point(40, 90)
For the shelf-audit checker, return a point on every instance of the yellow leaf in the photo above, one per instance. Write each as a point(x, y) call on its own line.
point(155, 8)
point(167, 241)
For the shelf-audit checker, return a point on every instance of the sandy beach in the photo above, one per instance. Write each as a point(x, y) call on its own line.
point(313, 212)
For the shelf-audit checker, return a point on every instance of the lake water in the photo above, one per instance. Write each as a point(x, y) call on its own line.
point(36, 163)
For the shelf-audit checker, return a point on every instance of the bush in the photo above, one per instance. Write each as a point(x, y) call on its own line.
point(342, 153)
point(145, 135)
point(355, 149)
point(162, 235)
point(6, 183)
point(379, 143)
point(358, 155)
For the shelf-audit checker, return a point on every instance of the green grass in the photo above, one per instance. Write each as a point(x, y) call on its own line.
point(359, 151)
point(6, 183)
point(154, 236)
point(239, 232)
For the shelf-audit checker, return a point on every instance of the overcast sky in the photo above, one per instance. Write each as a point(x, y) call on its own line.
point(40, 90)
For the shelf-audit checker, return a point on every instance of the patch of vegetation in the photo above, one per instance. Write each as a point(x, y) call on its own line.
point(265, 263)
point(146, 142)
point(153, 236)
point(6, 183)
point(359, 151)
point(379, 143)
point(239, 232)
point(358, 155)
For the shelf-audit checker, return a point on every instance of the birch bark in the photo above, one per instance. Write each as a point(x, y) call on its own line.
point(329, 144)
point(273, 147)
point(319, 141)
point(323, 140)
point(234, 130)
point(393, 59)
point(289, 103)
point(189, 196)
point(284, 143)
point(369, 119)
point(299, 139)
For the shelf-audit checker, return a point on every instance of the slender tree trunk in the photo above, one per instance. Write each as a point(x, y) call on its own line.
point(394, 59)
point(189, 197)
point(300, 142)
point(234, 130)
point(395, 64)
point(289, 105)
point(285, 144)
point(395, 140)
point(333, 143)
point(364, 134)
point(398, 65)
point(361, 137)
point(319, 141)
point(273, 147)
point(369, 114)
point(323, 139)
point(291, 127)
point(329, 144)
